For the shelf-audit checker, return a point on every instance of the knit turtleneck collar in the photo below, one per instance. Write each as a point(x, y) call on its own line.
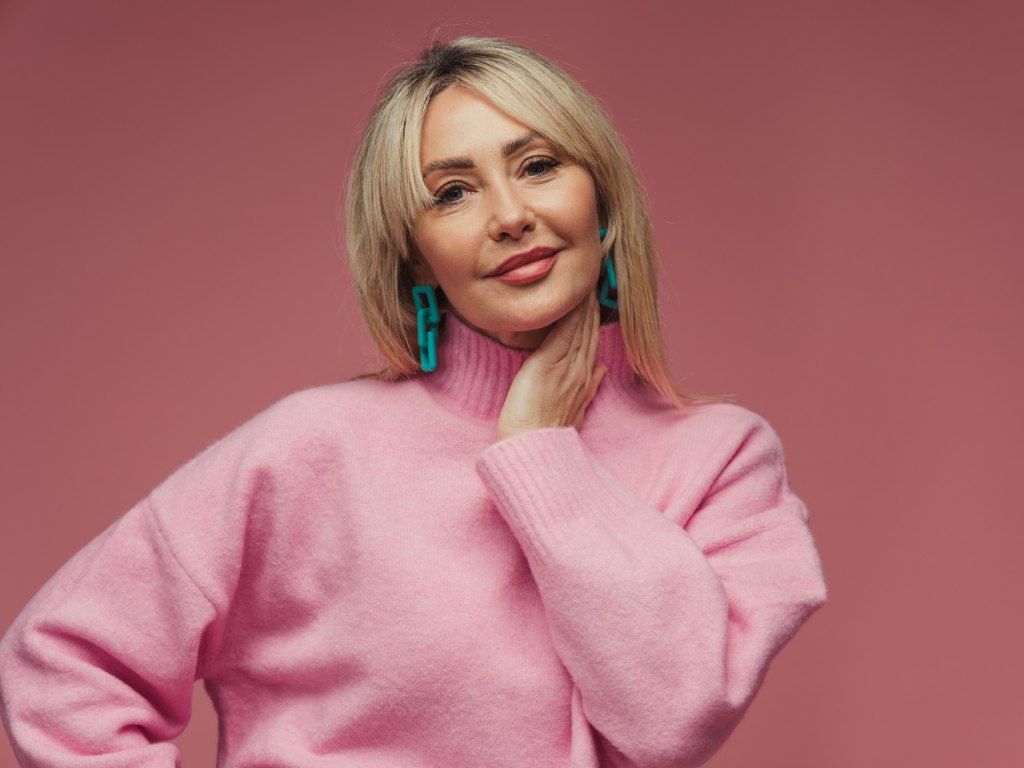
point(474, 372)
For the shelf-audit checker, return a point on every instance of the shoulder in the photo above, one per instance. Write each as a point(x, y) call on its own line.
point(327, 406)
point(724, 421)
point(731, 431)
point(719, 441)
point(344, 407)
point(701, 428)
point(739, 448)
point(690, 447)
point(307, 428)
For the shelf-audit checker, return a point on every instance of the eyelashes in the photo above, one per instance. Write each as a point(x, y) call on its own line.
point(454, 192)
point(443, 196)
point(546, 164)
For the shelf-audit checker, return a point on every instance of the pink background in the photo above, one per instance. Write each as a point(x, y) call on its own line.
point(838, 195)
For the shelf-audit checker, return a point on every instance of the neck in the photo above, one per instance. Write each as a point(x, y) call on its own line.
point(525, 340)
point(474, 370)
point(521, 340)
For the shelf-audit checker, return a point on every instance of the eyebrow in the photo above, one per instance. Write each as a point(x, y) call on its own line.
point(464, 163)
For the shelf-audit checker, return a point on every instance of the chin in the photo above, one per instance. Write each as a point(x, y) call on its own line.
point(545, 311)
point(534, 311)
point(533, 321)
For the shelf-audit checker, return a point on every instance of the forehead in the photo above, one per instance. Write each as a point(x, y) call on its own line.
point(460, 121)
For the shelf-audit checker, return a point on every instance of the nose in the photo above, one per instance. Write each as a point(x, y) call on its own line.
point(511, 214)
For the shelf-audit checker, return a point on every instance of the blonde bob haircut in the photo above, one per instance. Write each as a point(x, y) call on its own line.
point(386, 193)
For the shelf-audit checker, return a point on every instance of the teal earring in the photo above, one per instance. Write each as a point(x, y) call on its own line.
point(609, 282)
point(427, 319)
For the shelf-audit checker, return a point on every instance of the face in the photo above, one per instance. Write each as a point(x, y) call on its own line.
point(512, 236)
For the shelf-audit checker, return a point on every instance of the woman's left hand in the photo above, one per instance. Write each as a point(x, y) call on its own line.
point(559, 379)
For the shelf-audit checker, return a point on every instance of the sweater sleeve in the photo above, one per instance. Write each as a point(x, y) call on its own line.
point(98, 668)
point(666, 629)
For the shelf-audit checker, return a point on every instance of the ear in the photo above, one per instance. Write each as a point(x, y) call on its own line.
point(422, 274)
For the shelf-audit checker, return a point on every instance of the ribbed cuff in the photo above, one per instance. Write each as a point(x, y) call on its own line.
point(545, 486)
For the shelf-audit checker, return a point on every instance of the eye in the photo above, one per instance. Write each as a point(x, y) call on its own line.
point(538, 166)
point(450, 194)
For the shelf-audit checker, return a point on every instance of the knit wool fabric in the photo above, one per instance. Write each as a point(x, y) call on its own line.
point(364, 577)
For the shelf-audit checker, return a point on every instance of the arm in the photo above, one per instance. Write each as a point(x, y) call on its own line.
point(100, 665)
point(102, 661)
point(667, 632)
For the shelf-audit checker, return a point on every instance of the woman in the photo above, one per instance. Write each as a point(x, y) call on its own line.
point(516, 545)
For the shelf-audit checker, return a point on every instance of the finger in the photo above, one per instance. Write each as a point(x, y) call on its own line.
point(582, 402)
point(585, 355)
point(584, 333)
point(580, 395)
point(581, 330)
point(561, 342)
point(598, 378)
point(578, 421)
point(591, 393)
point(595, 333)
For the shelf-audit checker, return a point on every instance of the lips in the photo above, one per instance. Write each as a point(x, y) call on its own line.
point(519, 259)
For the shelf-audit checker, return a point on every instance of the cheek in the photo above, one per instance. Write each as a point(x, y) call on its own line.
point(433, 245)
point(584, 208)
point(448, 257)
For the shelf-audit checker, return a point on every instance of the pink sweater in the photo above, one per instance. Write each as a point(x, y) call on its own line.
point(363, 577)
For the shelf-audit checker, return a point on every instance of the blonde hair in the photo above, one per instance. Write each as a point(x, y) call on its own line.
point(386, 193)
